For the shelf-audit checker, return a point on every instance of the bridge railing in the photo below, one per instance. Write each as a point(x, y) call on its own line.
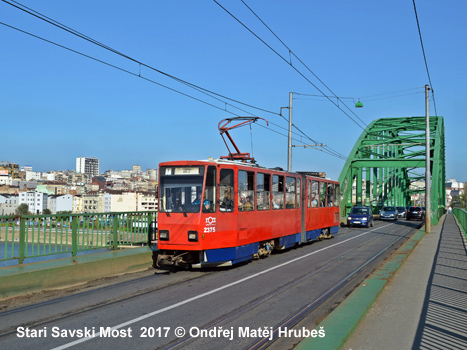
point(32, 236)
point(461, 216)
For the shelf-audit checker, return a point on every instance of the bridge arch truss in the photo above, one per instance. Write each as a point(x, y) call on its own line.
point(389, 159)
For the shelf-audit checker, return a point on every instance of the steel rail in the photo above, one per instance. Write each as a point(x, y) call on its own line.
point(258, 302)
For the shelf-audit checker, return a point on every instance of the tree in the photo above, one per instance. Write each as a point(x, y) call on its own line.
point(459, 201)
point(22, 209)
point(46, 211)
point(64, 212)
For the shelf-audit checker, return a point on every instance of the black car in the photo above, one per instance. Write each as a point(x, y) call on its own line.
point(415, 213)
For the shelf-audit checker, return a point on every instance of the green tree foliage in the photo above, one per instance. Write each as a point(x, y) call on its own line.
point(46, 211)
point(23, 209)
point(459, 201)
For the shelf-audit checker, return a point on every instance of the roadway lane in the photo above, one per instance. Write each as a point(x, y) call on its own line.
point(215, 308)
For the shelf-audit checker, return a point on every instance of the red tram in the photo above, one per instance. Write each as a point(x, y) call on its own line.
point(220, 212)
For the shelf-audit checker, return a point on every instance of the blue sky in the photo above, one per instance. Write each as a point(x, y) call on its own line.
point(57, 105)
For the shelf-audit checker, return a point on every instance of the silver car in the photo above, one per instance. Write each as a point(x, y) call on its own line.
point(388, 213)
point(401, 212)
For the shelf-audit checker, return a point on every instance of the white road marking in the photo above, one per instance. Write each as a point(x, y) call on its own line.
point(135, 320)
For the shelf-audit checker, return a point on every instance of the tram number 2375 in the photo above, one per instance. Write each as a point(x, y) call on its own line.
point(209, 229)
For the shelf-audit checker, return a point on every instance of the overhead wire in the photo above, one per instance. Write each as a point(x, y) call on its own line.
point(303, 63)
point(335, 154)
point(291, 52)
point(83, 36)
point(356, 98)
point(138, 76)
point(116, 67)
point(96, 42)
point(290, 63)
point(361, 97)
point(394, 92)
point(193, 86)
point(424, 56)
point(133, 74)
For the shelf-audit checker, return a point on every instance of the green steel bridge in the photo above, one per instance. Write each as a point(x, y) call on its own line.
point(388, 160)
point(380, 170)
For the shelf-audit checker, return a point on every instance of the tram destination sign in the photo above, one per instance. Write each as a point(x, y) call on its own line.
point(182, 171)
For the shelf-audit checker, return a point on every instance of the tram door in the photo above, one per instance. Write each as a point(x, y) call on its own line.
point(226, 217)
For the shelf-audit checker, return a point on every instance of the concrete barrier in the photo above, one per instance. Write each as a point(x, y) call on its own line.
point(60, 273)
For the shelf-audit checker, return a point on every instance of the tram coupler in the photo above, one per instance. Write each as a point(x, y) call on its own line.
point(171, 260)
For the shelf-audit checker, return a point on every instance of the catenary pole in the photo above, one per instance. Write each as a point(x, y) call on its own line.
point(289, 149)
point(428, 162)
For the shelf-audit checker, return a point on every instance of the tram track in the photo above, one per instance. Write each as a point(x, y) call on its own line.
point(238, 312)
point(68, 297)
point(63, 316)
point(264, 343)
point(101, 289)
point(301, 314)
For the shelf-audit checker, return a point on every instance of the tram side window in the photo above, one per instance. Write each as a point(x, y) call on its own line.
point(290, 192)
point(315, 194)
point(322, 197)
point(246, 190)
point(337, 196)
point(277, 192)
point(299, 198)
point(226, 190)
point(263, 191)
point(209, 202)
point(330, 194)
point(309, 194)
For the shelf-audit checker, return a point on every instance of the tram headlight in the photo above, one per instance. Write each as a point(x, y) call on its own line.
point(192, 236)
point(164, 235)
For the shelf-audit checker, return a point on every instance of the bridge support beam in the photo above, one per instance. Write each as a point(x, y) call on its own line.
point(385, 167)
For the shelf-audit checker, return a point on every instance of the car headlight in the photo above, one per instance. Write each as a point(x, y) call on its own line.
point(350, 218)
point(364, 219)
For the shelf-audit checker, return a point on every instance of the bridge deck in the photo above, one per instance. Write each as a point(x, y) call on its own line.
point(423, 306)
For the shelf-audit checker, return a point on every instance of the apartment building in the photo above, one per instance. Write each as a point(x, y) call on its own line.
point(122, 201)
point(146, 201)
point(8, 204)
point(60, 203)
point(88, 166)
point(36, 201)
point(78, 204)
point(93, 202)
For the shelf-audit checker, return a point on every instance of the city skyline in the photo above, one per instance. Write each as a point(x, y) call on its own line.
point(464, 179)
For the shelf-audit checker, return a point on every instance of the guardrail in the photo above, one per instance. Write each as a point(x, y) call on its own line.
point(31, 236)
point(461, 216)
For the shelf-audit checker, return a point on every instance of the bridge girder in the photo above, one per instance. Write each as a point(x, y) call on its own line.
point(383, 160)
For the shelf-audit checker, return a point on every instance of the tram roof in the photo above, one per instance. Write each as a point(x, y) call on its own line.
point(251, 165)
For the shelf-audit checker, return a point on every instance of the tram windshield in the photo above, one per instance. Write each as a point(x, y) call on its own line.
point(181, 189)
